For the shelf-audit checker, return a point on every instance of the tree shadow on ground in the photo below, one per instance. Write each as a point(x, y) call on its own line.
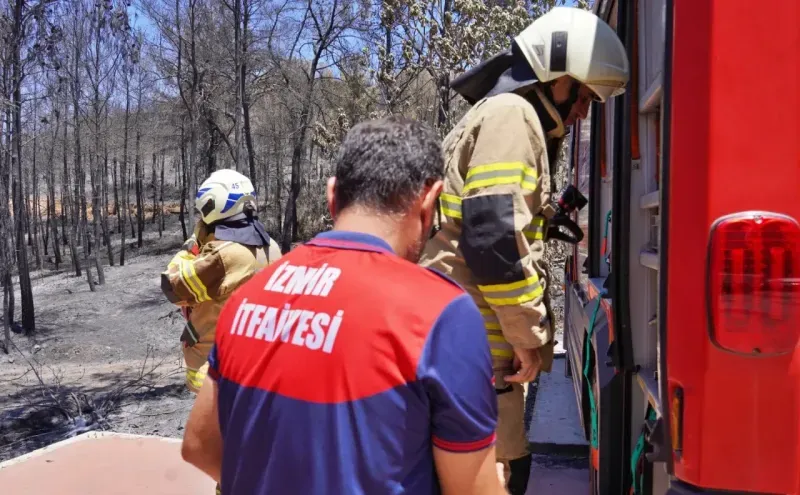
point(42, 335)
point(169, 244)
point(149, 302)
point(49, 271)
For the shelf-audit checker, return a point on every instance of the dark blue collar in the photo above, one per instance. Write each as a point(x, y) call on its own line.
point(344, 239)
point(249, 232)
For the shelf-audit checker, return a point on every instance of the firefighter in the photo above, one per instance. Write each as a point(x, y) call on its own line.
point(228, 246)
point(496, 204)
point(332, 371)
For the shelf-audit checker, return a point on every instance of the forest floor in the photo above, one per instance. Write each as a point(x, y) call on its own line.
point(108, 359)
point(104, 360)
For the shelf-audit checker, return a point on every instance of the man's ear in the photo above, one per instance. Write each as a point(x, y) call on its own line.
point(428, 206)
point(330, 192)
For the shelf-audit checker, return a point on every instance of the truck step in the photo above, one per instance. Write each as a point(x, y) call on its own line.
point(555, 426)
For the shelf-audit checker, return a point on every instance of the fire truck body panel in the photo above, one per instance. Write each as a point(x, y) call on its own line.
point(734, 148)
point(692, 253)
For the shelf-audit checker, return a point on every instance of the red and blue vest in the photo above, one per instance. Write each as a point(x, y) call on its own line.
point(340, 367)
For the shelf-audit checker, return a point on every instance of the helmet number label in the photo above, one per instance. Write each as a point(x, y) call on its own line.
point(235, 186)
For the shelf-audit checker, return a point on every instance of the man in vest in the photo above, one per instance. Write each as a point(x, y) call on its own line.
point(228, 246)
point(333, 371)
point(496, 203)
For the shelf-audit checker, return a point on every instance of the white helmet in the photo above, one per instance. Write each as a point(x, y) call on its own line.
point(223, 195)
point(571, 41)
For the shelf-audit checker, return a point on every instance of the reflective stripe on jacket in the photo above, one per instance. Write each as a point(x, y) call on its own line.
point(203, 282)
point(491, 241)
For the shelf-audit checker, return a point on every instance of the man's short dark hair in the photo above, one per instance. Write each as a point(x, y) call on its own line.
point(385, 164)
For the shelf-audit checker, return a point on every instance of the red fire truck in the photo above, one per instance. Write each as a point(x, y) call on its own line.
point(683, 299)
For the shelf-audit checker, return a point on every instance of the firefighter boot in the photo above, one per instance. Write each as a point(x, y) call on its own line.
point(520, 473)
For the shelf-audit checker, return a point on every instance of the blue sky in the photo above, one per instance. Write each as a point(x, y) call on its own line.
point(140, 21)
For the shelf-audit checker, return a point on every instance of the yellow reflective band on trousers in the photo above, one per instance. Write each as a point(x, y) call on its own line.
point(513, 293)
point(498, 345)
point(496, 174)
point(192, 281)
point(195, 378)
point(490, 319)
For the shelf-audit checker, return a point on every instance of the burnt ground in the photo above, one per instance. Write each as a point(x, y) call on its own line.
point(104, 360)
point(108, 359)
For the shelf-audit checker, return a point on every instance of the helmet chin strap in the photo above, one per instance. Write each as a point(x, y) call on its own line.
point(549, 116)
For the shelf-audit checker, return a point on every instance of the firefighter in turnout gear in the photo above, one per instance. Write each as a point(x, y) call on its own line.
point(229, 245)
point(497, 201)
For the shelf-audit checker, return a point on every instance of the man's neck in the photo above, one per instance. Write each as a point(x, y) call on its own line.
point(382, 227)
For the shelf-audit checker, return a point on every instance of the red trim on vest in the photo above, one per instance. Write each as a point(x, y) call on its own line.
point(464, 446)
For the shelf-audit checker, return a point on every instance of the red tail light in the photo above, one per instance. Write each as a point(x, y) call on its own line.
point(753, 293)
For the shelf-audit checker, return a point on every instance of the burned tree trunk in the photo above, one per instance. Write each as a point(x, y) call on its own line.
point(161, 206)
point(68, 205)
point(116, 196)
point(51, 200)
point(248, 135)
point(139, 189)
point(26, 290)
point(35, 212)
point(104, 213)
point(123, 209)
point(155, 190)
point(184, 186)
